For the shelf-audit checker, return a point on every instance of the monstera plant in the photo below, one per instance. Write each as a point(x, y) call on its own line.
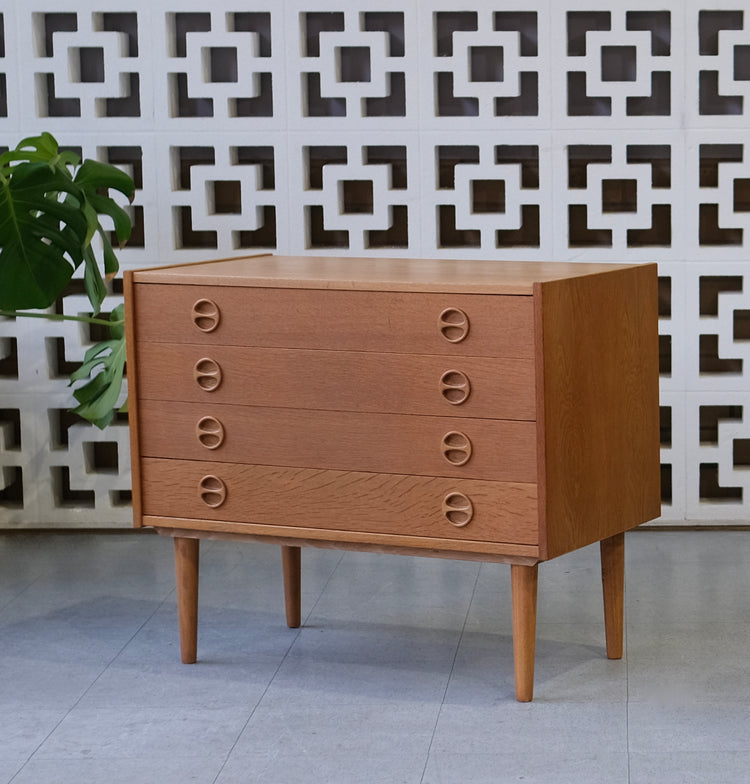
point(51, 203)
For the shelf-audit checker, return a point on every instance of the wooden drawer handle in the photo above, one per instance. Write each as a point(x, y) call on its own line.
point(455, 387)
point(456, 448)
point(458, 509)
point(212, 491)
point(454, 325)
point(206, 315)
point(210, 432)
point(207, 374)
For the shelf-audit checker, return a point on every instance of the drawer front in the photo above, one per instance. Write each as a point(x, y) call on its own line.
point(482, 325)
point(389, 443)
point(338, 380)
point(341, 500)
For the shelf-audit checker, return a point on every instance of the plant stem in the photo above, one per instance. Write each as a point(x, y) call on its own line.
point(61, 317)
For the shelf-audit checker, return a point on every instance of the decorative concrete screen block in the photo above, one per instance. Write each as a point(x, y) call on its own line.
point(724, 189)
point(606, 131)
point(486, 63)
point(620, 62)
point(221, 64)
point(352, 61)
point(620, 195)
point(487, 194)
point(223, 194)
point(85, 62)
point(358, 197)
point(724, 62)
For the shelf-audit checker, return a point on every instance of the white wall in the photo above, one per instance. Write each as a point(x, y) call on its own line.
point(612, 131)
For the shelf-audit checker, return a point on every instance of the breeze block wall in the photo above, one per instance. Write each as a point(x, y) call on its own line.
point(596, 131)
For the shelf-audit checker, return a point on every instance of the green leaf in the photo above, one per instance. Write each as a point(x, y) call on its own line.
point(106, 206)
point(117, 322)
point(92, 221)
point(94, 175)
point(98, 397)
point(93, 282)
point(48, 219)
point(41, 148)
point(111, 265)
point(45, 144)
point(36, 257)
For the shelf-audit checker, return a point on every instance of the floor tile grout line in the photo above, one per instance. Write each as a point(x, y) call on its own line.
point(450, 673)
point(19, 594)
point(257, 705)
point(280, 665)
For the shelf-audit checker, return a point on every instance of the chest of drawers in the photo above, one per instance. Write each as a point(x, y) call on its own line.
point(482, 410)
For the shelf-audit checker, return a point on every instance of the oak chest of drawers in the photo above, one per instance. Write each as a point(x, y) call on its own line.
point(485, 410)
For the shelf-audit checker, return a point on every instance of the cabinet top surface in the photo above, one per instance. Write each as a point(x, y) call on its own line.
point(378, 274)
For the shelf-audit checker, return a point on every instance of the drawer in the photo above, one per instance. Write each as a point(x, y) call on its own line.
point(347, 380)
point(389, 443)
point(341, 500)
point(408, 323)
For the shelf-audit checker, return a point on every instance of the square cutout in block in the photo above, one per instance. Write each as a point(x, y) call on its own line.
point(91, 64)
point(223, 64)
point(227, 197)
point(742, 194)
point(619, 196)
point(486, 63)
point(356, 197)
point(354, 63)
point(742, 63)
point(618, 63)
point(487, 196)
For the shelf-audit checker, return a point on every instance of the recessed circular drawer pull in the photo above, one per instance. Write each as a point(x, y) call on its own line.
point(455, 387)
point(212, 491)
point(207, 374)
point(453, 324)
point(210, 432)
point(456, 448)
point(206, 315)
point(458, 509)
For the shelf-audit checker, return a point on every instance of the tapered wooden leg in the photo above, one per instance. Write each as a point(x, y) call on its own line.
point(291, 566)
point(613, 588)
point(524, 586)
point(186, 552)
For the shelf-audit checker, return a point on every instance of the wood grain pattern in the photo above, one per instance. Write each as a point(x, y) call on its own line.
point(612, 553)
point(328, 425)
point(374, 274)
point(186, 560)
point(524, 581)
point(393, 544)
point(342, 320)
point(388, 443)
point(601, 406)
point(338, 380)
point(385, 503)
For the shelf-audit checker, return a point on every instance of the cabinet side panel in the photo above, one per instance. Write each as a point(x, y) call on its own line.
point(601, 403)
point(135, 453)
point(541, 448)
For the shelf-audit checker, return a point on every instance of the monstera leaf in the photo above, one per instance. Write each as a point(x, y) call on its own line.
point(49, 215)
point(50, 209)
point(97, 399)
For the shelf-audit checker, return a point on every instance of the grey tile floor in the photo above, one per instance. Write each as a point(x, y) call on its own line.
point(402, 671)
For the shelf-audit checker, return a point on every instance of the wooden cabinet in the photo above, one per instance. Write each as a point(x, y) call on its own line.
point(488, 410)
